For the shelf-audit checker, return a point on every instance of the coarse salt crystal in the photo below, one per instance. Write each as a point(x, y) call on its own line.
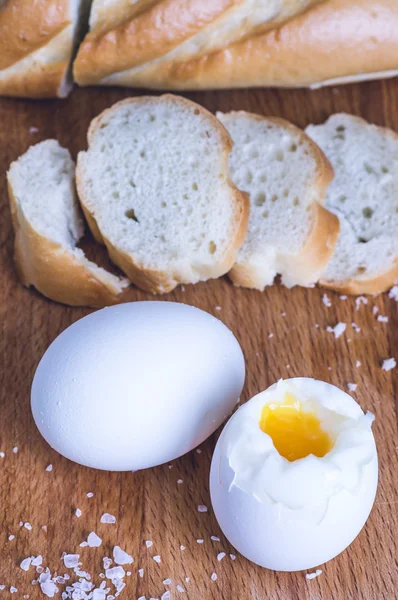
point(141, 572)
point(338, 329)
point(28, 526)
point(180, 588)
point(44, 528)
point(78, 513)
point(232, 556)
point(11, 537)
point(270, 335)
point(388, 364)
point(13, 590)
point(326, 300)
point(2, 455)
point(2, 587)
point(106, 561)
point(375, 310)
point(25, 564)
point(182, 547)
point(115, 573)
point(15, 449)
point(71, 560)
point(202, 508)
point(33, 130)
point(313, 575)
point(165, 596)
point(83, 545)
point(157, 558)
point(107, 518)
point(187, 579)
point(200, 541)
point(166, 581)
point(382, 319)
point(49, 468)
point(90, 494)
point(352, 386)
point(358, 363)
point(121, 557)
point(198, 451)
point(213, 576)
point(343, 297)
point(93, 540)
point(220, 556)
point(49, 588)
point(215, 538)
point(148, 543)
point(180, 481)
point(218, 307)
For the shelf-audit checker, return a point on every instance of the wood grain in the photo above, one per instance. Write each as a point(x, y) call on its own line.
point(151, 505)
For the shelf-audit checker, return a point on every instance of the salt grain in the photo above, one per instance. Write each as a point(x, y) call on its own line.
point(11, 537)
point(313, 575)
point(13, 590)
point(165, 596)
point(179, 481)
point(218, 307)
point(107, 518)
point(15, 449)
point(202, 508)
point(232, 556)
point(214, 538)
point(106, 561)
point(180, 589)
point(25, 564)
point(90, 494)
point(213, 576)
point(78, 513)
point(352, 386)
point(49, 588)
point(200, 541)
point(28, 526)
point(358, 363)
point(33, 130)
point(141, 572)
point(121, 557)
point(382, 319)
point(2, 455)
point(182, 547)
point(115, 573)
point(49, 468)
point(220, 556)
point(388, 364)
point(166, 581)
point(343, 297)
point(98, 594)
point(71, 560)
point(93, 540)
point(148, 543)
point(157, 558)
point(270, 335)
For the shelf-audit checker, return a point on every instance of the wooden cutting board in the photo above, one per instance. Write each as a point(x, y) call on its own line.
point(153, 505)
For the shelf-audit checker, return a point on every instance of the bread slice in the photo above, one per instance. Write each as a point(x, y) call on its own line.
point(286, 176)
point(38, 41)
point(48, 226)
point(155, 188)
point(364, 196)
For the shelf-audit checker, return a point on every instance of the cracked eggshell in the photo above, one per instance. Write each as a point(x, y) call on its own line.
point(289, 516)
point(136, 385)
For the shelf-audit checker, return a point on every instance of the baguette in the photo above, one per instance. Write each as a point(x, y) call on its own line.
point(37, 44)
point(364, 196)
point(127, 38)
point(286, 176)
point(336, 41)
point(47, 227)
point(155, 188)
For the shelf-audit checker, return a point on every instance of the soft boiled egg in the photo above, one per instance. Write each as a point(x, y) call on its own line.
point(136, 385)
point(294, 475)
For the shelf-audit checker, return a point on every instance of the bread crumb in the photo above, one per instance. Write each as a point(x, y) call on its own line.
point(382, 319)
point(394, 293)
point(388, 364)
point(166, 581)
point(200, 541)
point(338, 329)
point(313, 575)
point(326, 300)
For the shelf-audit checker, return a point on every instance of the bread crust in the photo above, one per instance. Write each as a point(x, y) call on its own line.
point(53, 270)
point(36, 48)
point(138, 40)
point(149, 278)
point(305, 267)
point(322, 44)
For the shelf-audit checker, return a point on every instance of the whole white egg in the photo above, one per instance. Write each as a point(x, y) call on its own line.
point(136, 385)
point(289, 514)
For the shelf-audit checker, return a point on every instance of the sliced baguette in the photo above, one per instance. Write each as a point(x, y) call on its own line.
point(364, 196)
point(286, 176)
point(48, 226)
point(155, 188)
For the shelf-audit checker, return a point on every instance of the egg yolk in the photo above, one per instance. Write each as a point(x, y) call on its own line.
point(295, 433)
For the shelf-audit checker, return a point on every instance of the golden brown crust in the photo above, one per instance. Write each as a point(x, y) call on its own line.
point(325, 226)
point(374, 286)
point(331, 40)
point(51, 269)
point(36, 81)
point(149, 278)
point(26, 26)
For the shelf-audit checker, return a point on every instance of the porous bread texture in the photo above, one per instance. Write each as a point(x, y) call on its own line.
point(155, 187)
point(364, 196)
point(48, 226)
point(286, 176)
